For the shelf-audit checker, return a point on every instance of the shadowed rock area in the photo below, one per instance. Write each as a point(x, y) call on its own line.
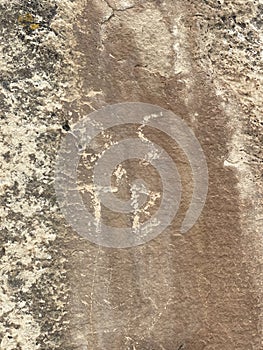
point(62, 60)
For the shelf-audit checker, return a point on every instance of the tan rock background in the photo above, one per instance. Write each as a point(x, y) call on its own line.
point(62, 59)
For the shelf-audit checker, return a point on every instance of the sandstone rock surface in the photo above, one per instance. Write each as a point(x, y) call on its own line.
point(61, 60)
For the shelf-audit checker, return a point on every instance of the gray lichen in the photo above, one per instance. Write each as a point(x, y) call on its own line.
point(35, 75)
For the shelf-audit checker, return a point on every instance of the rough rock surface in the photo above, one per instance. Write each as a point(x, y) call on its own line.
point(62, 59)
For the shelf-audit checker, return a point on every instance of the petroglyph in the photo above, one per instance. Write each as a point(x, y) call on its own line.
point(60, 61)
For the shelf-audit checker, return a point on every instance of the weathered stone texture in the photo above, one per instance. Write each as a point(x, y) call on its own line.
point(62, 59)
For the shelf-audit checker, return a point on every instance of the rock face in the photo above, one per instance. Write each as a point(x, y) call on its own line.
point(62, 60)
